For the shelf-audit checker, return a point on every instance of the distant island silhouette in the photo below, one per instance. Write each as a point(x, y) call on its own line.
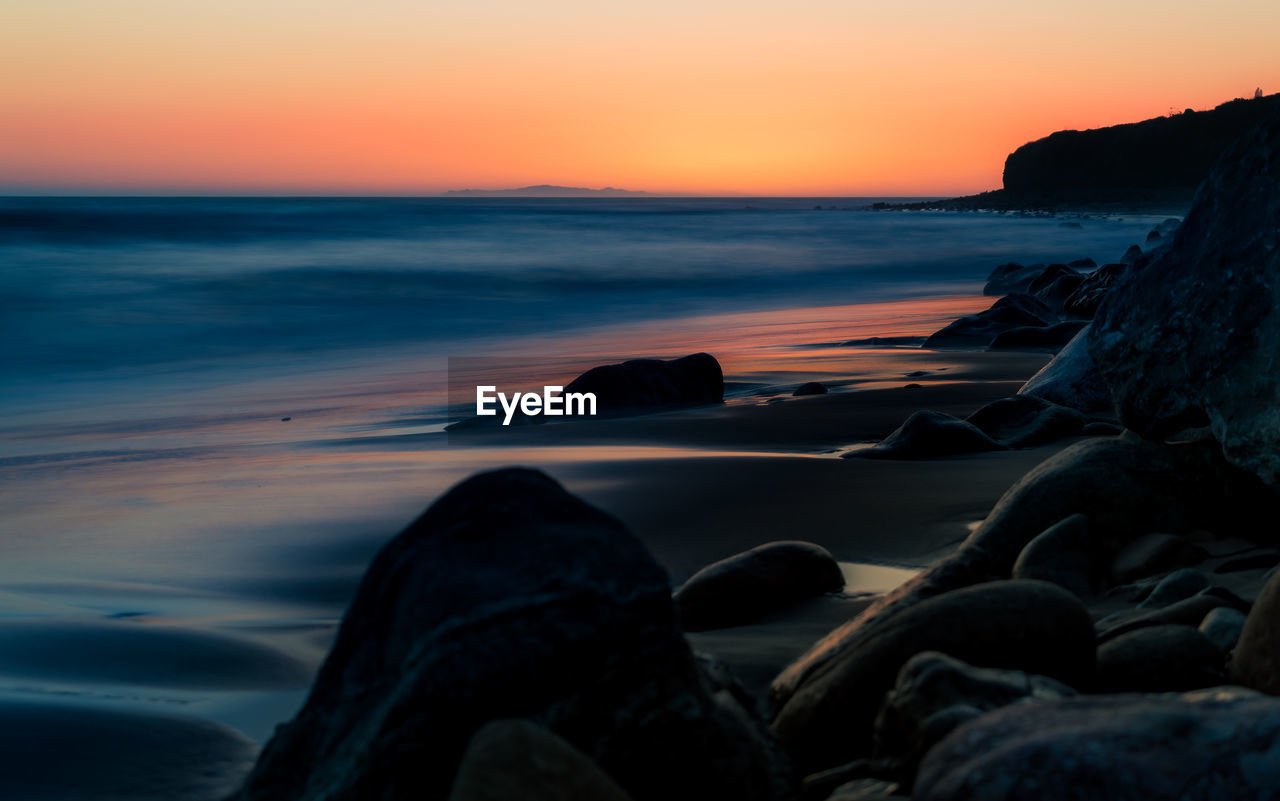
point(547, 190)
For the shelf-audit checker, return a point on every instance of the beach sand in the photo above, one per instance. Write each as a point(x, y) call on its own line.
point(124, 669)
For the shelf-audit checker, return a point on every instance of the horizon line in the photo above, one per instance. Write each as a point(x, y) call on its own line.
point(9, 192)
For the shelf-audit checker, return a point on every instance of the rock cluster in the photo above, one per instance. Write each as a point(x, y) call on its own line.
point(1018, 422)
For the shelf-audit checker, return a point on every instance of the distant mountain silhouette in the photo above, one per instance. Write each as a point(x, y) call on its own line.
point(546, 190)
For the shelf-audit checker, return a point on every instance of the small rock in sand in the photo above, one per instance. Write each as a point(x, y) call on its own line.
point(652, 383)
point(746, 586)
point(1051, 338)
point(927, 434)
point(977, 330)
point(810, 388)
point(1025, 420)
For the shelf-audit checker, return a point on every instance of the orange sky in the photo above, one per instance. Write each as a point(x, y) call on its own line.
point(806, 97)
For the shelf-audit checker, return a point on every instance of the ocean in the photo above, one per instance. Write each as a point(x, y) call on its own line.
point(215, 409)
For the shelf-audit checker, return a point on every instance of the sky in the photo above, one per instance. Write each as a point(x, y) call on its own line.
point(803, 97)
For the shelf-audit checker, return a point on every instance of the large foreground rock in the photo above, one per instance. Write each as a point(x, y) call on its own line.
point(1023, 625)
point(746, 586)
point(1221, 745)
point(511, 598)
point(641, 384)
point(1196, 335)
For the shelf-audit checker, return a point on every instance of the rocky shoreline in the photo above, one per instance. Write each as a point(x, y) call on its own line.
point(1111, 629)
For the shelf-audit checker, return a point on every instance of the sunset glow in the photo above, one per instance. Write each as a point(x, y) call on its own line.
point(820, 97)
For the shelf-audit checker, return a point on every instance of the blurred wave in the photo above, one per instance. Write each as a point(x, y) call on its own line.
point(103, 283)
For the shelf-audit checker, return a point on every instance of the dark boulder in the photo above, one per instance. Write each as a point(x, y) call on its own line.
point(747, 586)
point(1207, 746)
point(1084, 302)
point(641, 384)
point(1071, 379)
point(1051, 338)
point(810, 388)
point(1011, 277)
point(1023, 625)
point(935, 693)
point(928, 434)
point(1056, 294)
point(1049, 277)
point(1159, 659)
point(1195, 336)
point(977, 330)
point(1025, 420)
point(1065, 554)
point(1131, 254)
point(511, 598)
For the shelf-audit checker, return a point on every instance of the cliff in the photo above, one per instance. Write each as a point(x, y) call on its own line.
point(1153, 164)
point(1162, 155)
